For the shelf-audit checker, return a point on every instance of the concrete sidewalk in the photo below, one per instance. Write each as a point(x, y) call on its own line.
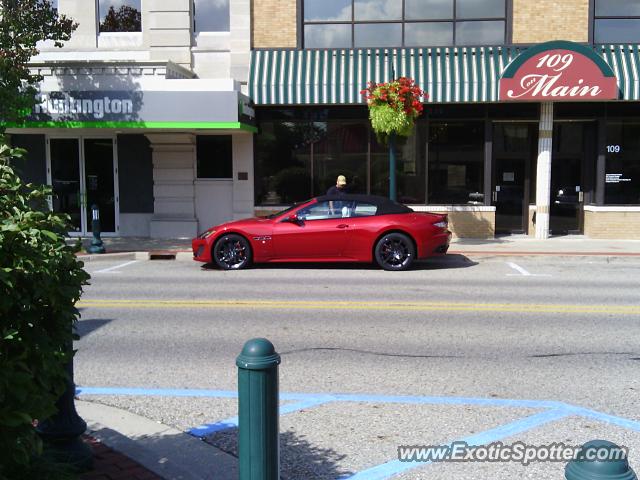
point(513, 245)
point(143, 448)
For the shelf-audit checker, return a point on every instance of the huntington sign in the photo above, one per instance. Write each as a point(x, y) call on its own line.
point(558, 71)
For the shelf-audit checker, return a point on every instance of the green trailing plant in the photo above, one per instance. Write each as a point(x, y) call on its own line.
point(393, 107)
point(40, 282)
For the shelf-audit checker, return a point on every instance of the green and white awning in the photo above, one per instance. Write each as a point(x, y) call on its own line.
point(448, 75)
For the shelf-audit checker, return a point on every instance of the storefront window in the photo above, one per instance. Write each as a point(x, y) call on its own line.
point(283, 161)
point(120, 16)
point(616, 21)
point(622, 176)
point(396, 23)
point(341, 149)
point(214, 156)
point(410, 176)
point(211, 16)
point(456, 161)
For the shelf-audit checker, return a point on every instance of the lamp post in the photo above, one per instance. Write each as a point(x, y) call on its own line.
point(62, 432)
point(393, 195)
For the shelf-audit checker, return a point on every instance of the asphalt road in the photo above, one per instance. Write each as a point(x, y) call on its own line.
point(560, 329)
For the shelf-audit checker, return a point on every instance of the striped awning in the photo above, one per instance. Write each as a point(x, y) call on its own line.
point(448, 75)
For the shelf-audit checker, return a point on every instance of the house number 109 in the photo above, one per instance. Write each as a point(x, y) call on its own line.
point(613, 149)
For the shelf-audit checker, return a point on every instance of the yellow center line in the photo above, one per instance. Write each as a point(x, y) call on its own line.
point(373, 305)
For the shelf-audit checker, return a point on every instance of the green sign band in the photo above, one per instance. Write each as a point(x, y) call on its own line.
point(152, 125)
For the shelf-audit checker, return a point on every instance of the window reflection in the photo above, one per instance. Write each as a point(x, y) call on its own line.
point(327, 10)
point(456, 161)
point(428, 9)
point(211, 16)
point(483, 9)
point(327, 36)
point(377, 10)
point(120, 16)
point(341, 150)
point(617, 8)
point(617, 30)
point(397, 23)
point(480, 33)
point(432, 33)
point(377, 35)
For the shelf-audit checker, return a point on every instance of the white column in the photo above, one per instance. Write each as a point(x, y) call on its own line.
point(173, 185)
point(85, 37)
point(243, 199)
point(169, 30)
point(543, 171)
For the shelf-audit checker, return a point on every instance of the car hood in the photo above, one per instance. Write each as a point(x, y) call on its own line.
point(242, 223)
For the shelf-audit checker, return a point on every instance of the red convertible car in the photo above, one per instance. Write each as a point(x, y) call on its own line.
point(345, 228)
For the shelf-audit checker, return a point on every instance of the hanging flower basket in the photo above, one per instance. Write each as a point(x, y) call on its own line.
point(393, 107)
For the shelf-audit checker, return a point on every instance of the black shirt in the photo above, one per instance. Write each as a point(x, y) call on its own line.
point(334, 190)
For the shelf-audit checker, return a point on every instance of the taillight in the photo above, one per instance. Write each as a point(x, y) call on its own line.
point(443, 223)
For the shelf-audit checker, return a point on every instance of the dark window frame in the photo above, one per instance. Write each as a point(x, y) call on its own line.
point(200, 138)
point(507, 18)
point(592, 22)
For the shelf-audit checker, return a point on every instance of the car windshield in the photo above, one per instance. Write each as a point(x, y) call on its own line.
point(295, 205)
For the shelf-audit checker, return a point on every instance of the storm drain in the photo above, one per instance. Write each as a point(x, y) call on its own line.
point(162, 255)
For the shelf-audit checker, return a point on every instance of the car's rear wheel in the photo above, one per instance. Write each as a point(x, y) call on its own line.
point(395, 251)
point(232, 252)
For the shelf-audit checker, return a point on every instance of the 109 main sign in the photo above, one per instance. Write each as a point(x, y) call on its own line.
point(558, 71)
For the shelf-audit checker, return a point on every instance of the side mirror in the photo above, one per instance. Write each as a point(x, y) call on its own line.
point(293, 218)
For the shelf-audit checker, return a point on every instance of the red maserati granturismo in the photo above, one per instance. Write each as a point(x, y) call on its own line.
point(346, 228)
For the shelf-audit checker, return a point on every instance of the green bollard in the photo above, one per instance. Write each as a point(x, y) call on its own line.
point(258, 443)
point(589, 468)
point(96, 244)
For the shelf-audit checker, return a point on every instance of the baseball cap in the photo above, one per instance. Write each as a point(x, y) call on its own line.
point(341, 180)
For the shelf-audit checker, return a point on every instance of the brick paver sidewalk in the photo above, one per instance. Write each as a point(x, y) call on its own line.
point(111, 465)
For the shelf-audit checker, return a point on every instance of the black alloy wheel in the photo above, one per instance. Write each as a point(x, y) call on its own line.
point(395, 251)
point(232, 252)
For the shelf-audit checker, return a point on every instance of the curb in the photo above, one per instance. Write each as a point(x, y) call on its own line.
point(166, 451)
point(113, 256)
point(141, 255)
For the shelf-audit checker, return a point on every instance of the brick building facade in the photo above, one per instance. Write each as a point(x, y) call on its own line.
point(539, 167)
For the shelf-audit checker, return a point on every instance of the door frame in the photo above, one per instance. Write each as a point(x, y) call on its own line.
point(80, 137)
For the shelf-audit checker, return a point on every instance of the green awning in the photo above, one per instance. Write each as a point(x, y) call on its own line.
point(448, 75)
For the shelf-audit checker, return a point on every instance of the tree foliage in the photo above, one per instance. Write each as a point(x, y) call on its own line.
point(24, 23)
point(125, 19)
point(40, 282)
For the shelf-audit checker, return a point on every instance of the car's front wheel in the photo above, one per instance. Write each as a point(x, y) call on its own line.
point(232, 252)
point(395, 251)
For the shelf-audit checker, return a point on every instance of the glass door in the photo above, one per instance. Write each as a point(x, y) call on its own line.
point(565, 214)
point(513, 151)
point(83, 174)
point(99, 182)
point(65, 180)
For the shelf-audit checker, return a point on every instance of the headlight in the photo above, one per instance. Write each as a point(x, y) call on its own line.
point(560, 192)
point(206, 234)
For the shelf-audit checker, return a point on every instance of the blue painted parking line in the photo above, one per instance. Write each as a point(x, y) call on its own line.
point(205, 430)
point(606, 418)
point(395, 467)
point(553, 411)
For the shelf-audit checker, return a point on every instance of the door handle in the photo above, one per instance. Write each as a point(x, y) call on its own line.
point(343, 225)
